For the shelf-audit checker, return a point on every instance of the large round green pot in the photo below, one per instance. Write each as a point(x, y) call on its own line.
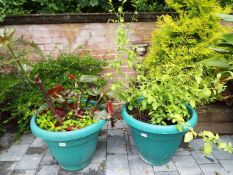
point(156, 143)
point(72, 149)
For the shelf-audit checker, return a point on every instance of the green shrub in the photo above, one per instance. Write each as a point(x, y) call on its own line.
point(171, 75)
point(67, 63)
point(188, 39)
point(181, 43)
point(19, 98)
point(150, 6)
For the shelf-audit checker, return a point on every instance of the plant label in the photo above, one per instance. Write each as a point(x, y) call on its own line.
point(143, 135)
point(62, 144)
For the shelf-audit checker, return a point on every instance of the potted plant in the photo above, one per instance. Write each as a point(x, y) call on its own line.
point(160, 101)
point(164, 114)
point(70, 121)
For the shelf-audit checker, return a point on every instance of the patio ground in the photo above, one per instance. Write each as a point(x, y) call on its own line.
point(115, 155)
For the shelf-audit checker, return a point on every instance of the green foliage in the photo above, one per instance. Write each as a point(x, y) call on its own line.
point(47, 122)
point(187, 39)
point(53, 71)
point(20, 98)
point(124, 46)
point(165, 95)
point(66, 110)
point(150, 6)
point(171, 77)
point(183, 42)
point(12, 7)
point(224, 67)
point(22, 7)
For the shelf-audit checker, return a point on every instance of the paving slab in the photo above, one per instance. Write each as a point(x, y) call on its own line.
point(7, 140)
point(91, 169)
point(117, 165)
point(186, 165)
point(116, 142)
point(94, 169)
point(138, 166)
point(213, 169)
point(103, 136)
point(23, 172)
point(100, 154)
point(132, 146)
point(116, 154)
point(14, 153)
point(26, 139)
point(36, 150)
point(227, 165)
point(48, 159)
point(38, 142)
point(6, 167)
point(64, 172)
point(221, 155)
point(29, 161)
point(196, 144)
point(201, 158)
point(170, 166)
point(126, 135)
point(182, 152)
point(120, 124)
point(128, 149)
point(107, 126)
point(227, 138)
point(166, 173)
point(224, 138)
point(48, 170)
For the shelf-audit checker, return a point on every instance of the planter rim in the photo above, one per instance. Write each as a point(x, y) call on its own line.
point(66, 135)
point(159, 129)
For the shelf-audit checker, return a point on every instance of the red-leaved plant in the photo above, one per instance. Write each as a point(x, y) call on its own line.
point(71, 109)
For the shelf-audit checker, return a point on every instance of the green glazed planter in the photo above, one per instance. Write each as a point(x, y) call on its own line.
point(72, 149)
point(155, 143)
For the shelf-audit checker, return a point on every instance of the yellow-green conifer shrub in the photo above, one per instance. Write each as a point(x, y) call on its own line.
point(187, 38)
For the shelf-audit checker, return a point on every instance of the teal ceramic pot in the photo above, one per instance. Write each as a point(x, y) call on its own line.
point(72, 149)
point(155, 143)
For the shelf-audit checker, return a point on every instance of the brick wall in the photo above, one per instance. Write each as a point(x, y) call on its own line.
point(99, 39)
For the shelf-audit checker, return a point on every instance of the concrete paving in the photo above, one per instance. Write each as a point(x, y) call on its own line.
point(115, 155)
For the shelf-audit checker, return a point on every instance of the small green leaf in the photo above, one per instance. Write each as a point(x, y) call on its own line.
point(222, 51)
point(226, 17)
point(188, 137)
point(215, 62)
point(130, 107)
point(154, 105)
point(207, 148)
point(120, 9)
point(144, 104)
point(88, 79)
point(206, 92)
point(192, 103)
point(228, 37)
point(113, 87)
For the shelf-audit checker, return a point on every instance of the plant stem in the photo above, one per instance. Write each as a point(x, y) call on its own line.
point(20, 65)
point(48, 100)
point(79, 101)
